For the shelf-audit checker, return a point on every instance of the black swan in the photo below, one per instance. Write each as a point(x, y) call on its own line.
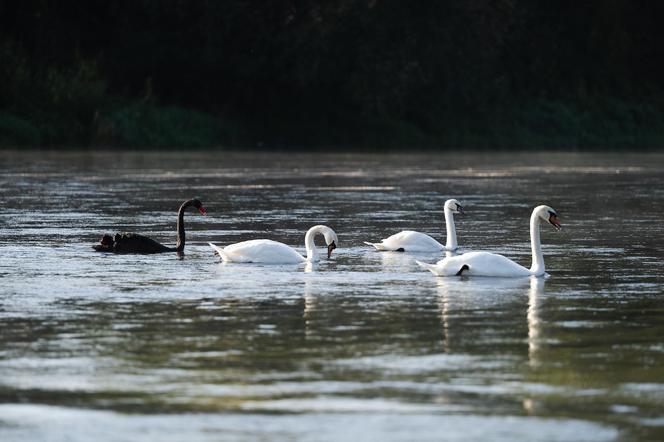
point(134, 243)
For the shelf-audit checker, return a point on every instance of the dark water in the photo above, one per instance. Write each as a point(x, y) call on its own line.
point(365, 346)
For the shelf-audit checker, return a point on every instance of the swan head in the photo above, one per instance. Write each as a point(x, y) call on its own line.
point(199, 205)
point(454, 206)
point(331, 240)
point(549, 215)
point(105, 245)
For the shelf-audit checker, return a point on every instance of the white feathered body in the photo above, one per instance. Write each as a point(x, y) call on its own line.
point(263, 251)
point(492, 264)
point(409, 241)
point(478, 264)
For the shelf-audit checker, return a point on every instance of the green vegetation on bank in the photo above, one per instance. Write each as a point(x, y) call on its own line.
point(350, 73)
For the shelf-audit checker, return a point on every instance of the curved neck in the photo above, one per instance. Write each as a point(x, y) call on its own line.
point(451, 242)
point(179, 246)
point(310, 245)
point(537, 268)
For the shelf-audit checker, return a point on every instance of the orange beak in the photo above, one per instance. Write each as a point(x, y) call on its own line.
point(553, 219)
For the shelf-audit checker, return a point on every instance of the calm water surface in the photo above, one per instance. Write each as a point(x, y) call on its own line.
point(364, 346)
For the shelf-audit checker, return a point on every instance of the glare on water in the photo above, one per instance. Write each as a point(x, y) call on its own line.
point(364, 346)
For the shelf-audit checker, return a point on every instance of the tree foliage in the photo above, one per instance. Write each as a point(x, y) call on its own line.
point(344, 72)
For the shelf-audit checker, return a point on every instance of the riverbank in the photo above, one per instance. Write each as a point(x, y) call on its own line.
point(608, 123)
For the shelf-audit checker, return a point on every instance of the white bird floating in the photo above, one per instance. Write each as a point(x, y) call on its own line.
point(411, 241)
point(492, 264)
point(266, 251)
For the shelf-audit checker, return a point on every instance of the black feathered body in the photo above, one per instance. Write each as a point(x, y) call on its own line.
point(135, 243)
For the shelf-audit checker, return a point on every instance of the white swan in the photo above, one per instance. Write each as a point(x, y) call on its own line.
point(410, 241)
point(266, 251)
point(491, 264)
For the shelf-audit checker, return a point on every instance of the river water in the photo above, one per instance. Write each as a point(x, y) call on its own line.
point(365, 346)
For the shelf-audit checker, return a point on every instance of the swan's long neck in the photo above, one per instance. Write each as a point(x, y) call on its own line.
point(537, 268)
point(179, 246)
point(451, 243)
point(310, 245)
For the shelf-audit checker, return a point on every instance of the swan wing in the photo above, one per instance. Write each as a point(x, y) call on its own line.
point(441, 268)
point(409, 241)
point(483, 264)
point(135, 243)
point(263, 251)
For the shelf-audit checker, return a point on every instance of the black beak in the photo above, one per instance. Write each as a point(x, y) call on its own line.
point(330, 247)
point(460, 209)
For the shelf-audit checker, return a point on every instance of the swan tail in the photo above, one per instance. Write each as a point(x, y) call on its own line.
point(219, 251)
point(376, 245)
point(430, 267)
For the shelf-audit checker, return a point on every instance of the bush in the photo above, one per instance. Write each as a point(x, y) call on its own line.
point(146, 125)
point(17, 132)
point(48, 104)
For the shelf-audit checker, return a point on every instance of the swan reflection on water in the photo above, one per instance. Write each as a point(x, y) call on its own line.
point(320, 312)
point(535, 294)
point(310, 300)
point(456, 296)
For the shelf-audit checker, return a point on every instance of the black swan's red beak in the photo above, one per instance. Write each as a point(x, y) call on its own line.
point(202, 210)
